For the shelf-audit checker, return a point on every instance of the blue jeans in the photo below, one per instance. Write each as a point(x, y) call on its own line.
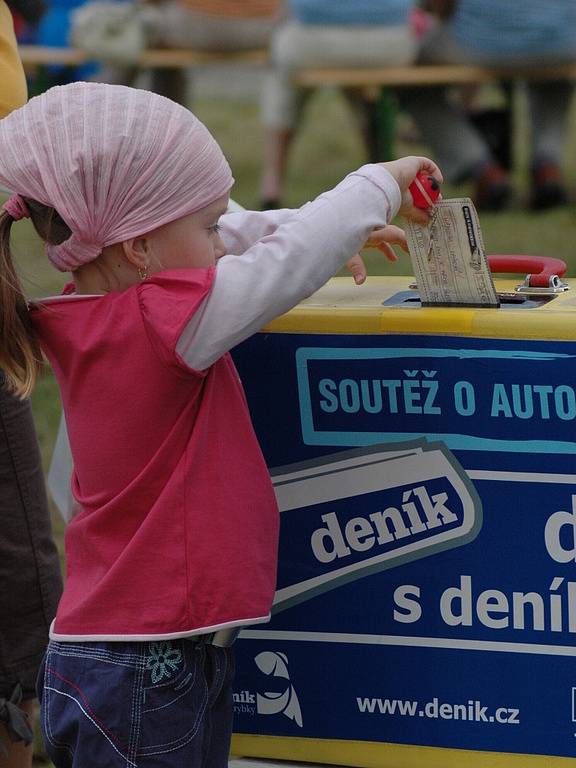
point(145, 705)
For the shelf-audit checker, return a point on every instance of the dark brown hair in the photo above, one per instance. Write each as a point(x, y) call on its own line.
point(20, 355)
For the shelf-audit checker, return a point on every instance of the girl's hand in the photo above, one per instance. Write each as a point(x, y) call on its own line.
point(404, 171)
point(382, 239)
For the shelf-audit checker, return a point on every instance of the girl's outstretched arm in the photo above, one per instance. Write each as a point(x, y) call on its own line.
point(240, 230)
point(281, 269)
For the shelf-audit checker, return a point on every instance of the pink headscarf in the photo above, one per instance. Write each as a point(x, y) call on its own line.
point(115, 162)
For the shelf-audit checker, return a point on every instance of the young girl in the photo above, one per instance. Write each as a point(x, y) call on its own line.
point(175, 537)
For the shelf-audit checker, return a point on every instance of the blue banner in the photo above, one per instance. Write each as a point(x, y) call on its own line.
point(427, 489)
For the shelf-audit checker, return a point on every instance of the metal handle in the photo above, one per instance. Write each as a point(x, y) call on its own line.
point(542, 269)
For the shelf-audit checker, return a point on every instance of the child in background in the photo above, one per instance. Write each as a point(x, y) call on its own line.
point(174, 546)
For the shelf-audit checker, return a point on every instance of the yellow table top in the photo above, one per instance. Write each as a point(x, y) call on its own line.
point(342, 307)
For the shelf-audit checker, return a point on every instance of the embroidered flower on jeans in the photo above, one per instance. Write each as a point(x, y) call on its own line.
point(163, 660)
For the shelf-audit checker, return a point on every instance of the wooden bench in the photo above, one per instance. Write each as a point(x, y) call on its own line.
point(34, 56)
point(430, 74)
point(423, 75)
point(376, 82)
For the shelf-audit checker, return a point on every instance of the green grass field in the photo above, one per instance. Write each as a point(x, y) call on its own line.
point(327, 148)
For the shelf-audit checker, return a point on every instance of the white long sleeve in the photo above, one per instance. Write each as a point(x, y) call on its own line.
point(283, 257)
point(240, 230)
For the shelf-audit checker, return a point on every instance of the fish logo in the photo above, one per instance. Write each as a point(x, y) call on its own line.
point(275, 664)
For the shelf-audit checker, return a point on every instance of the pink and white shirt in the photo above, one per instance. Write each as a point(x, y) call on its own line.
point(178, 525)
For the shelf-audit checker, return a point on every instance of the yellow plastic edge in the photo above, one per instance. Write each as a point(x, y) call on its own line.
point(338, 309)
point(448, 322)
point(369, 754)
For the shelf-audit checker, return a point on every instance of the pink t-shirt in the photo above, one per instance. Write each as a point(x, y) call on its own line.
point(179, 524)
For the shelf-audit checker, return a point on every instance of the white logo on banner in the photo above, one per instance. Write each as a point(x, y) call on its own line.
point(422, 502)
point(275, 664)
point(560, 535)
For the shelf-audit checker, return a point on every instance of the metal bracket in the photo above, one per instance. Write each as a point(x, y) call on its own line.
point(555, 285)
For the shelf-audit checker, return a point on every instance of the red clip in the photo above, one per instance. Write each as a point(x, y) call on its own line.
point(425, 191)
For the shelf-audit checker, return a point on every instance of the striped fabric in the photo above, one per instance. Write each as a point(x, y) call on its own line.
point(523, 28)
point(115, 162)
point(351, 12)
point(241, 9)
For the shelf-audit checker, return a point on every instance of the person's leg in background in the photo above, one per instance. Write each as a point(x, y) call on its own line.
point(19, 753)
point(459, 148)
point(549, 106)
point(29, 569)
point(297, 46)
point(282, 109)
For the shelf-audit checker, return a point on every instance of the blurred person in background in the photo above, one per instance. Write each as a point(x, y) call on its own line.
point(30, 582)
point(492, 33)
point(47, 23)
point(324, 33)
point(201, 25)
point(26, 15)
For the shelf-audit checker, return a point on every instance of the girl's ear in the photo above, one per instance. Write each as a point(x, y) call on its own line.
point(137, 251)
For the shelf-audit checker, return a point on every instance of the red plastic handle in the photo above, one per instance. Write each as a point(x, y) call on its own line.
point(540, 268)
point(425, 191)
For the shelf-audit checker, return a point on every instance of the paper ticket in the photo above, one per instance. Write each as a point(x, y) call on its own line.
point(449, 258)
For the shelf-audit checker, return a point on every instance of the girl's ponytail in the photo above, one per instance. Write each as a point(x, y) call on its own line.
point(20, 356)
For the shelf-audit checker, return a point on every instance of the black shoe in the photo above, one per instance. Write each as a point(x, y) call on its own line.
point(493, 189)
point(548, 190)
point(270, 204)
